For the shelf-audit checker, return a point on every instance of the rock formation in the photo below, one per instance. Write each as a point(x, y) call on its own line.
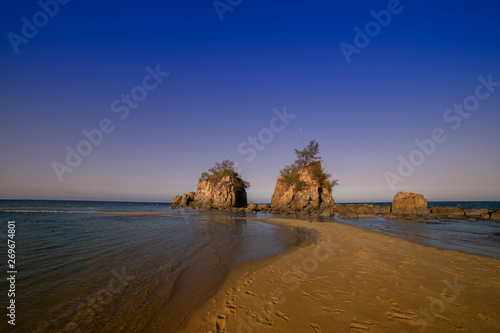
point(495, 215)
point(352, 211)
point(213, 195)
point(448, 212)
point(182, 201)
point(221, 195)
point(311, 196)
point(409, 203)
point(481, 213)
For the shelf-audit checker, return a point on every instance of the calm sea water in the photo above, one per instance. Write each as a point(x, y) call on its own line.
point(479, 237)
point(83, 271)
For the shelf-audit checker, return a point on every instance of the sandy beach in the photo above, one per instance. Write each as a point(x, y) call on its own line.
point(349, 279)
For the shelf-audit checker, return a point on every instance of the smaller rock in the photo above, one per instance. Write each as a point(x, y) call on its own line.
point(176, 200)
point(475, 213)
point(263, 208)
point(449, 212)
point(485, 216)
point(348, 216)
point(328, 212)
point(409, 203)
point(251, 207)
point(495, 215)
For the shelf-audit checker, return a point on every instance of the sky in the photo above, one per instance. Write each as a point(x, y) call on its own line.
point(134, 100)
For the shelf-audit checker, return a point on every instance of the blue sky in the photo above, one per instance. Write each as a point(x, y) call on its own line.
point(225, 79)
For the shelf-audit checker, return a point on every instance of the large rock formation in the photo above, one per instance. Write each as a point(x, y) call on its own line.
point(409, 203)
point(223, 194)
point(312, 196)
point(220, 195)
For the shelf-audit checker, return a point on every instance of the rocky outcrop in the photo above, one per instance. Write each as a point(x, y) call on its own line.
point(409, 203)
point(220, 195)
point(481, 213)
point(251, 207)
point(182, 201)
point(448, 212)
point(210, 195)
point(495, 215)
point(312, 196)
point(351, 211)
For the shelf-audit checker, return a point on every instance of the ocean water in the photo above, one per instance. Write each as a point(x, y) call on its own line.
point(79, 270)
point(478, 237)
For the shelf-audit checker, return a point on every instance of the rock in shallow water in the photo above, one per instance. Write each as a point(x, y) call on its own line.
point(409, 203)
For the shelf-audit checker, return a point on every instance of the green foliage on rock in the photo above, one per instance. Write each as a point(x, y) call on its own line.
point(290, 176)
point(308, 157)
point(221, 170)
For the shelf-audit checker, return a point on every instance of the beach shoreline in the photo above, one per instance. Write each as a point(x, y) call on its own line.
point(348, 279)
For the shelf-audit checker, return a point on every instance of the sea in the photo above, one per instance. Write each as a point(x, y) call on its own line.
point(85, 266)
point(92, 266)
point(478, 237)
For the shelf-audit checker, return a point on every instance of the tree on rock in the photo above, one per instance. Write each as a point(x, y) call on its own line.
point(220, 170)
point(308, 157)
point(304, 185)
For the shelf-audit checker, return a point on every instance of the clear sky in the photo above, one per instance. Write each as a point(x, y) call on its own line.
point(364, 78)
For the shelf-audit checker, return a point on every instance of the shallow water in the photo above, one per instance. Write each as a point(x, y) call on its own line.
point(478, 237)
point(79, 270)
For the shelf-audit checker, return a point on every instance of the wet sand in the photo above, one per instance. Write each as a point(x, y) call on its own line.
point(349, 279)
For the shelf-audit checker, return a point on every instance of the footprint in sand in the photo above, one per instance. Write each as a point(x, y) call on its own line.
point(324, 293)
point(267, 321)
point(483, 317)
point(359, 327)
point(398, 314)
point(220, 324)
point(329, 283)
point(250, 293)
point(250, 313)
point(325, 308)
point(309, 295)
point(315, 327)
point(248, 282)
point(282, 315)
point(230, 306)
